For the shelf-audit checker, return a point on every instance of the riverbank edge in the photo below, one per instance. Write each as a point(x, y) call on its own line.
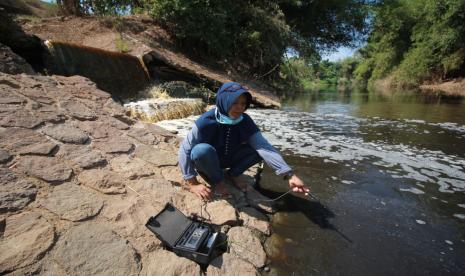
point(452, 88)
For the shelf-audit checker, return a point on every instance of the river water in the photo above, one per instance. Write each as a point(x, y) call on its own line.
point(389, 174)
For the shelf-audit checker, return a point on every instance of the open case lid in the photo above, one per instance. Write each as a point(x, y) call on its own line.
point(169, 224)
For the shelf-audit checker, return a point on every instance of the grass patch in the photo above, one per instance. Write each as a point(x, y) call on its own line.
point(122, 45)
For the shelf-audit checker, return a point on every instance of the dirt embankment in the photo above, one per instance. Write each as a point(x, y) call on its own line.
point(142, 37)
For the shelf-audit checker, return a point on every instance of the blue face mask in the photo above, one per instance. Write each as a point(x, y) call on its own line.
point(226, 120)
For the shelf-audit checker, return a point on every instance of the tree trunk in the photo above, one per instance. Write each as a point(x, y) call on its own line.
point(69, 7)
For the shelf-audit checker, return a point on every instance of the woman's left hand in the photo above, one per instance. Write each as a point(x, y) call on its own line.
point(297, 185)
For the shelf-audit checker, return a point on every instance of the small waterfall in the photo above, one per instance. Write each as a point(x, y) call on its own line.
point(120, 74)
point(168, 101)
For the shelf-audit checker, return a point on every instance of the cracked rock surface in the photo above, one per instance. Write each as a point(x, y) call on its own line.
point(79, 180)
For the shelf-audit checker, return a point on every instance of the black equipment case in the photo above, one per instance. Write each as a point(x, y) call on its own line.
point(186, 237)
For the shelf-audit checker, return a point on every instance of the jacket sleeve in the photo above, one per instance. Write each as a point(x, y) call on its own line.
point(269, 153)
point(184, 154)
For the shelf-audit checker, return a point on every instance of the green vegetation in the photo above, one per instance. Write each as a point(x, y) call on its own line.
point(121, 44)
point(413, 41)
point(299, 74)
point(410, 42)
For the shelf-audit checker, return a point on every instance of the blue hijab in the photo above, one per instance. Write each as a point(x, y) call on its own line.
point(225, 137)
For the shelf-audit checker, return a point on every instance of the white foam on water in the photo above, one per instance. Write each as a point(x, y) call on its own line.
point(414, 121)
point(461, 205)
point(419, 221)
point(460, 216)
point(307, 134)
point(450, 126)
point(449, 242)
point(412, 190)
point(347, 182)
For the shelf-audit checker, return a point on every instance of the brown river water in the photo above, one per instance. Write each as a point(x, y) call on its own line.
point(389, 174)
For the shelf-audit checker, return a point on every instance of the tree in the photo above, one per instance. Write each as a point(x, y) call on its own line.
point(70, 7)
point(412, 41)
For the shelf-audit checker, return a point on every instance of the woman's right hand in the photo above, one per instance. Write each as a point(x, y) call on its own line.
point(199, 189)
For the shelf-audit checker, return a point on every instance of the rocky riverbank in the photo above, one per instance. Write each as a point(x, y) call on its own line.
point(79, 179)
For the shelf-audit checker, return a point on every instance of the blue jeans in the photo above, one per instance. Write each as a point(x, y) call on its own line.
point(209, 166)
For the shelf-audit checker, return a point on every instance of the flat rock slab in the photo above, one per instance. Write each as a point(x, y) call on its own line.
point(217, 212)
point(38, 149)
point(143, 135)
point(83, 156)
point(15, 139)
point(45, 168)
point(230, 264)
point(157, 157)
point(94, 249)
point(160, 132)
point(8, 95)
point(157, 189)
point(21, 118)
point(114, 146)
point(245, 245)
point(99, 129)
point(172, 173)
point(190, 204)
point(162, 262)
point(66, 134)
point(77, 110)
point(27, 237)
point(71, 202)
point(104, 181)
point(131, 168)
point(130, 216)
point(254, 219)
point(221, 212)
point(35, 92)
point(4, 156)
point(15, 193)
point(48, 114)
point(116, 123)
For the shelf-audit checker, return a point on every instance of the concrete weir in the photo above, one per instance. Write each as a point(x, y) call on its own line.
point(122, 75)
